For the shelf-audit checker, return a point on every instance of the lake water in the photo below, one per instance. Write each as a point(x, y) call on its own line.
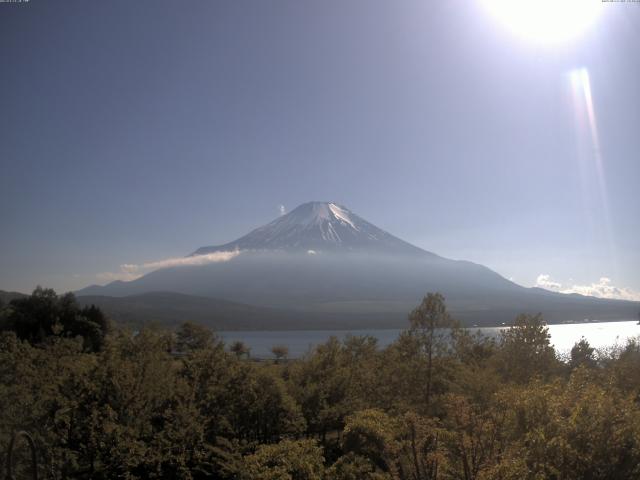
point(563, 337)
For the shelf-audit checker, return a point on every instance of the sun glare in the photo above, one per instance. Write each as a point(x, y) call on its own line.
point(545, 21)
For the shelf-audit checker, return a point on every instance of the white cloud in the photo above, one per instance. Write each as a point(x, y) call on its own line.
point(113, 276)
point(282, 209)
point(131, 271)
point(544, 281)
point(603, 288)
point(183, 261)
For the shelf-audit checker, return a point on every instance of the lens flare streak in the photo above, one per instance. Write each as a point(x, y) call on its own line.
point(584, 107)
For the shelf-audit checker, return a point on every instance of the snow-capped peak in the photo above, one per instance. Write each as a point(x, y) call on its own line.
point(317, 213)
point(318, 227)
point(341, 214)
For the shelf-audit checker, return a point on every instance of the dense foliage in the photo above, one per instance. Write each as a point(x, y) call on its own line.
point(439, 403)
point(45, 315)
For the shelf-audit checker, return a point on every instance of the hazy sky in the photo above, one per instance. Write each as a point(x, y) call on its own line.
point(133, 131)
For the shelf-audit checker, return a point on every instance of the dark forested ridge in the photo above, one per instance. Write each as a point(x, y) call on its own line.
point(439, 403)
point(6, 297)
point(170, 309)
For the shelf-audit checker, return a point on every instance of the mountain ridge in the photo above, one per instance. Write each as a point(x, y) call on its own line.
point(322, 259)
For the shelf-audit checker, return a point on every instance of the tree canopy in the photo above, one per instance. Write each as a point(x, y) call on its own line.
point(44, 314)
point(180, 405)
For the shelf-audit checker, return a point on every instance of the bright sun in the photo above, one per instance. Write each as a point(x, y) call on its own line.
point(545, 21)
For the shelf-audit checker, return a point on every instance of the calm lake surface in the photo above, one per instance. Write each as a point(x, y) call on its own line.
point(563, 337)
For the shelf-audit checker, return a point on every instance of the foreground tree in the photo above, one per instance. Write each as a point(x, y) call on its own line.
point(474, 437)
point(370, 434)
point(44, 315)
point(503, 410)
point(355, 467)
point(191, 336)
point(240, 349)
point(582, 355)
point(432, 326)
point(574, 430)
point(526, 351)
point(405, 448)
point(320, 385)
point(281, 352)
point(287, 460)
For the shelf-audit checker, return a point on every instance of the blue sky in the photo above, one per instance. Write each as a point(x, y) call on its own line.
point(137, 131)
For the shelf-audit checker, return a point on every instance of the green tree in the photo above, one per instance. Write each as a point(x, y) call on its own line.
point(432, 326)
point(526, 351)
point(474, 437)
point(473, 374)
point(418, 452)
point(240, 349)
point(624, 367)
point(44, 314)
point(582, 354)
point(370, 434)
point(320, 384)
point(575, 430)
point(355, 467)
point(287, 460)
point(405, 447)
point(280, 352)
point(191, 336)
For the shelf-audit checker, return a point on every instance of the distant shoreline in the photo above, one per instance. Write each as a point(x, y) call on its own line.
point(467, 327)
point(563, 336)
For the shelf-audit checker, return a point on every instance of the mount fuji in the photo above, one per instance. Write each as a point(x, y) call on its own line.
point(323, 266)
point(319, 226)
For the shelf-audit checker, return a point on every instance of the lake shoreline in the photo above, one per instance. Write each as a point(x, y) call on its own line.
point(373, 327)
point(563, 336)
